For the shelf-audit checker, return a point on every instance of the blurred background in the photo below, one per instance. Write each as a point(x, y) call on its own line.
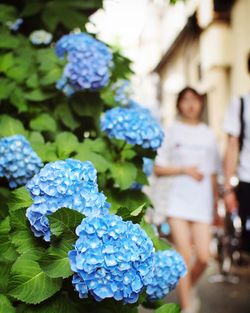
point(205, 44)
point(202, 43)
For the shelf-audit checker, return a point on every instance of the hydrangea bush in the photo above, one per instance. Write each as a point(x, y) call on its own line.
point(67, 163)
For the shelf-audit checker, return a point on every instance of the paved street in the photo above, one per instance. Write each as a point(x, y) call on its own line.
point(221, 297)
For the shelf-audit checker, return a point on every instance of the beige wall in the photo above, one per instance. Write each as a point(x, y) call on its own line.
point(181, 70)
point(240, 25)
point(221, 49)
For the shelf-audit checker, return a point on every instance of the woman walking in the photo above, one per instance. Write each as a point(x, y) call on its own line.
point(190, 157)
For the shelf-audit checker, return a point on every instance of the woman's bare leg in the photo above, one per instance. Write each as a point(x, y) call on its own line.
point(180, 231)
point(201, 238)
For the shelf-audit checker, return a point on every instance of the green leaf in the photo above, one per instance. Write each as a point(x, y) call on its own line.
point(36, 139)
point(17, 98)
point(5, 305)
point(7, 251)
point(66, 143)
point(8, 41)
point(159, 244)
point(31, 8)
point(4, 196)
point(64, 221)
point(86, 153)
point(43, 122)
point(60, 303)
point(47, 152)
point(21, 235)
point(169, 308)
point(4, 274)
point(126, 198)
point(55, 262)
point(52, 76)
point(131, 214)
point(141, 177)
point(7, 13)
point(38, 95)
point(19, 73)
point(32, 81)
point(138, 211)
point(29, 283)
point(20, 198)
point(124, 174)
point(6, 88)
point(128, 154)
point(6, 62)
point(10, 126)
point(64, 113)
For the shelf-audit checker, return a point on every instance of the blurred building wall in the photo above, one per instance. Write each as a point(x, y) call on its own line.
point(210, 53)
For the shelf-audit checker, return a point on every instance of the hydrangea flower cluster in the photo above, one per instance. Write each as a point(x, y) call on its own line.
point(88, 66)
point(111, 259)
point(168, 268)
point(134, 124)
point(14, 26)
point(18, 161)
point(40, 37)
point(122, 90)
point(63, 184)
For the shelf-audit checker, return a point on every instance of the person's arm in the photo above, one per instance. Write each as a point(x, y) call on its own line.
point(174, 171)
point(230, 165)
point(215, 198)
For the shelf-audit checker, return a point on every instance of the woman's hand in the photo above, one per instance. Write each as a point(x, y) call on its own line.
point(193, 172)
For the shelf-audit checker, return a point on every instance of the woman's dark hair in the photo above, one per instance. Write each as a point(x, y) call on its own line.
point(183, 92)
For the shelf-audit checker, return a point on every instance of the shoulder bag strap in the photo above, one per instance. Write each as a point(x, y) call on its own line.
point(242, 124)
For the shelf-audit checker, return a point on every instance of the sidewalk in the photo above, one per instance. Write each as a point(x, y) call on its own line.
point(221, 297)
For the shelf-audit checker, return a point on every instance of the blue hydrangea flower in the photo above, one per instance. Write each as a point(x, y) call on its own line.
point(63, 184)
point(168, 268)
point(14, 26)
point(134, 124)
point(122, 89)
point(89, 63)
point(111, 259)
point(18, 161)
point(40, 37)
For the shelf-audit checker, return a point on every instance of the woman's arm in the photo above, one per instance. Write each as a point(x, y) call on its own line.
point(230, 164)
point(215, 198)
point(167, 171)
point(175, 171)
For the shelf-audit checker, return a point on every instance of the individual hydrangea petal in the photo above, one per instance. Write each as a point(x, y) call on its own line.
point(18, 161)
point(134, 124)
point(63, 184)
point(111, 259)
point(14, 25)
point(89, 63)
point(40, 37)
point(168, 268)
